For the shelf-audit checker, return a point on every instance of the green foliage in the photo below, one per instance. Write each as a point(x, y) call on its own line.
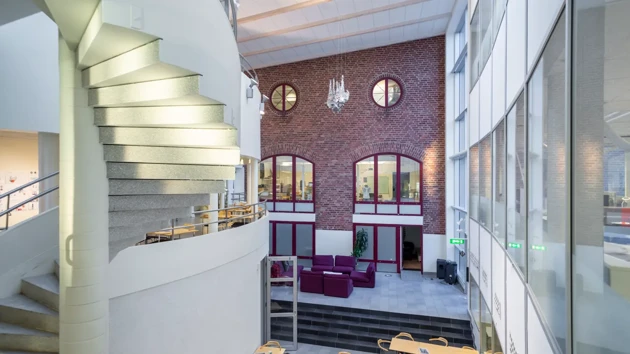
point(360, 243)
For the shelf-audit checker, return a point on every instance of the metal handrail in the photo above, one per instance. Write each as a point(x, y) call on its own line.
point(229, 208)
point(249, 69)
point(17, 189)
point(3, 213)
point(227, 6)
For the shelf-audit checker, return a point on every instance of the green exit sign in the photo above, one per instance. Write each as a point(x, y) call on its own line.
point(458, 241)
point(514, 245)
point(538, 248)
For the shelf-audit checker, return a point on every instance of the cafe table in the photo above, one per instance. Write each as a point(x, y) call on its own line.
point(412, 347)
point(269, 349)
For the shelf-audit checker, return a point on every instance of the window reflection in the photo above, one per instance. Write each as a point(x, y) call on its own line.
point(284, 178)
point(498, 209)
point(365, 179)
point(409, 180)
point(485, 182)
point(474, 182)
point(516, 215)
point(303, 179)
point(265, 180)
point(387, 178)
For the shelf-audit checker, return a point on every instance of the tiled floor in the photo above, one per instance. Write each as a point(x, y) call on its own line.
point(416, 294)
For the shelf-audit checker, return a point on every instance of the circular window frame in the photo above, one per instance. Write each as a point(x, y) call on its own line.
point(386, 78)
point(284, 86)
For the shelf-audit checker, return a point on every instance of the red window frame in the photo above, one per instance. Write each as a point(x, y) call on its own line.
point(284, 98)
point(294, 239)
point(398, 190)
point(399, 241)
point(387, 79)
point(293, 182)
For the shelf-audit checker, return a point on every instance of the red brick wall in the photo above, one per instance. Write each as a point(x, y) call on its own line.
point(414, 127)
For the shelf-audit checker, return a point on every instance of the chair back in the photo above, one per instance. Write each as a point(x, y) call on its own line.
point(404, 335)
point(439, 339)
point(325, 260)
point(272, 344)
point(380, 343)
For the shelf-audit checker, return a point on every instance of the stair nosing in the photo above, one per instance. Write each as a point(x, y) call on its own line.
point(39, 308)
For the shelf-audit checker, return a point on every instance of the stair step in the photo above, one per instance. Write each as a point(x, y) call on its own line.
point(56, 268)
point(133, 217)
point(137, 65)
point(22, 311)
point(176, 136)
point(43, 289)
point(130, 170)
point(16, 338)
point(181, 91)
point(146, 202)
point(172, 155)
point(152, 116)
point(286, 335)
point(138, 187)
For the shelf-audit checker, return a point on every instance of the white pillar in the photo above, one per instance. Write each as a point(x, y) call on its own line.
point(214, 215)
point(252, 181)
point(83, 219)
point(48, 160)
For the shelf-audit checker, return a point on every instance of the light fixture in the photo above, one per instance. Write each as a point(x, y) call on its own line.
point(337, 95)
point(250, 90)
point(263, 100)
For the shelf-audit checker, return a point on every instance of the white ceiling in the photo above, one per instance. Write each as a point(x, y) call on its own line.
point(12, 10)
point(272, 32)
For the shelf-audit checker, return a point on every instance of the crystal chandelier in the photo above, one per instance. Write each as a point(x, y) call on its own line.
point(337, 95)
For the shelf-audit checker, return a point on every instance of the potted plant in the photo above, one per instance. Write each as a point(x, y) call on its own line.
point(360, 244)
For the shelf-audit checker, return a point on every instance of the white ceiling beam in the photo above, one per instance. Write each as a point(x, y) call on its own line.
point(280, 10)
point(357, 33)
point(329, 20)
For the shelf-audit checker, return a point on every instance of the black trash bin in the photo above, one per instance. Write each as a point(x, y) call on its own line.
point(450, 274)
point(441, 268)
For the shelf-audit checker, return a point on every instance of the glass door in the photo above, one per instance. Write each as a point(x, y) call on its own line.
point(280, 311)
point(383, 247)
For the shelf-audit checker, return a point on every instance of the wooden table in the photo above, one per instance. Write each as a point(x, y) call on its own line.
point(267, 350)
point(411, 347)
point(171, 233)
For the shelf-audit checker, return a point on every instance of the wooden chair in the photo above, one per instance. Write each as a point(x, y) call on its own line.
point(272, 344)
point(439, 339)
point(380, 343)
point(468, 348)
point(405, 335)
point(192, 228)
point(344, 353)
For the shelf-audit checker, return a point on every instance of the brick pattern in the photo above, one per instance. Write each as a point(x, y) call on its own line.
point(415, 127)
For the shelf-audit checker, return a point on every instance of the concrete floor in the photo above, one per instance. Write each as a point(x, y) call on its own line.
point(416, 294)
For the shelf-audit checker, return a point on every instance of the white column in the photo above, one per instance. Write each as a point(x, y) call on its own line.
point(214, 215)
point(83, 219)
point(48, 160)
point(250, 178)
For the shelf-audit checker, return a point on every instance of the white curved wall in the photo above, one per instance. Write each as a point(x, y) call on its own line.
point(249, 122)
point(201, 294)
point(196, 35)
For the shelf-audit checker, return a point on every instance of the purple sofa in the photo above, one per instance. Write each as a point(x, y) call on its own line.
point(344, 264)
point(364, 280)
point(337, 285)
point(312, 282)
point(323, 263)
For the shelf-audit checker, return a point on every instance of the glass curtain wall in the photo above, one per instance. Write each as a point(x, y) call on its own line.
point(600, 176)
point(516, 165)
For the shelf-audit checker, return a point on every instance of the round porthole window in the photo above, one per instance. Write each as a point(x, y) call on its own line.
point(386, 92)
point(283, 97)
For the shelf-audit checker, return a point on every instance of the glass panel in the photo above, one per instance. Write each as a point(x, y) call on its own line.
point(474, 182)
point(600, 177)
point(499, 183)
point(474, 47)
point(303, 179)
point(387, 178)
point(265, 179)
point(485, 182)
point(461, 78)
point(369, 251)
point(304, 240)
point(547, 196)
point(364, 208)
point(461, 141)
point(499, 10)
point(304, 207)
point(386, 267)
point(461, 182)
point(475, 299)
point(486, 329)
point(387, 243)
point(485, 18)
point(284, 239)
point(290, 97)
point(365, 180)
point(496, 343)
point(284, 177)
point(270, 238)
point(276, 98)
point(409, 180)
point(516, 215)
point(393, 92)
point(378, 93)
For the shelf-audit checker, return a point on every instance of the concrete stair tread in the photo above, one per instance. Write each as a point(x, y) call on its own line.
point(7, 328)
point(24, 303)
point(47, 282)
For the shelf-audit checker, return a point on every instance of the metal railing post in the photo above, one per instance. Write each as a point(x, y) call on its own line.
point(6, 221)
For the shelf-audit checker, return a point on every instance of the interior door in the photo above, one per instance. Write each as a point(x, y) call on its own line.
point(281, 313)
point(387, 249)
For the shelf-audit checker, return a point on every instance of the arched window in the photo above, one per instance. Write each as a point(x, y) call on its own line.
point(288, 182)
point(283, 97)
point(388, 184)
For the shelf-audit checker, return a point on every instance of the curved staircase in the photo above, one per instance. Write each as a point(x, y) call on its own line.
point(29, 321)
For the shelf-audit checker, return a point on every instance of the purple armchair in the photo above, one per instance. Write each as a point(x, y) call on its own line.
point(364, 280)
point(337, 285)
point(344, 264)
point(323, 263)
point(312, 282)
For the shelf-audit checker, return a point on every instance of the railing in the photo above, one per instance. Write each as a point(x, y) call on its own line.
point(7, 212)
point(248, 69)
point(231, 8)
point(228, 221)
